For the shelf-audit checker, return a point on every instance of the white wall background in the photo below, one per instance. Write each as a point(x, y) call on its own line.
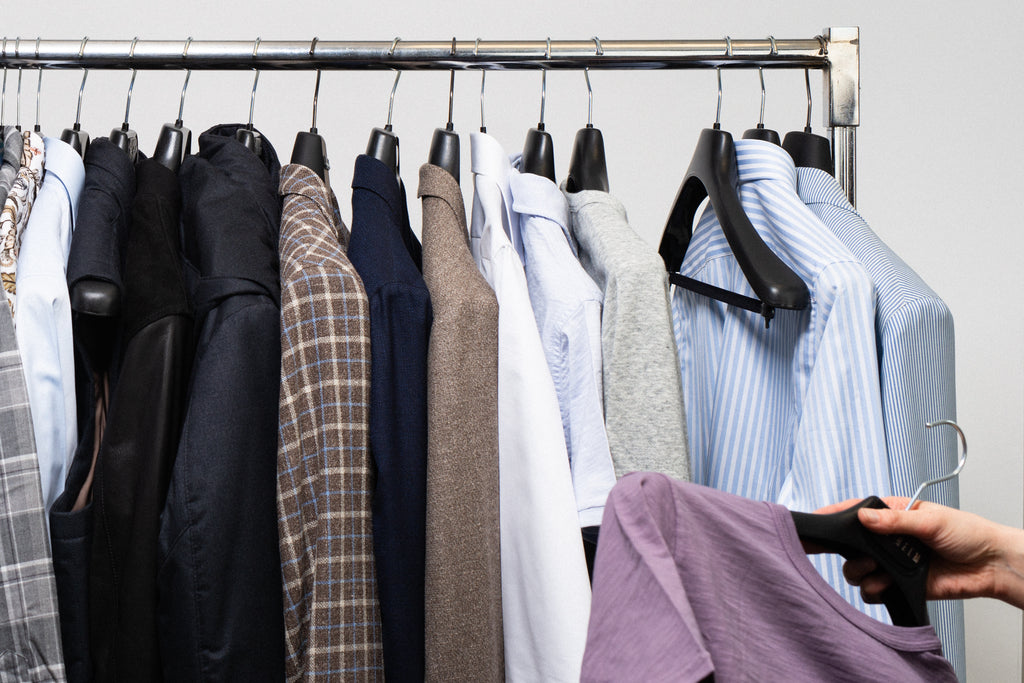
point(939, 159)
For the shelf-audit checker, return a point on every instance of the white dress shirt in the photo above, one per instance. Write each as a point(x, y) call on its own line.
point(790, 414)
point(43, 316)
point(567, 305)
point(914, 335)
point(545, 591)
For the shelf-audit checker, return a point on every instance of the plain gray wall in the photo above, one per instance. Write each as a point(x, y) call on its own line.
point(939, 159)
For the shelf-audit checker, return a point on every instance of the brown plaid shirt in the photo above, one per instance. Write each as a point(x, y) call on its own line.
point(324, 472)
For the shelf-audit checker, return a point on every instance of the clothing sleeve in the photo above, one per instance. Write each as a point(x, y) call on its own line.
point(642, 627)
point(839, 450)
point(593, 474)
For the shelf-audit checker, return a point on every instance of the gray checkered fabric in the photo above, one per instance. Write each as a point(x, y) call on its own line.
point(30, 648)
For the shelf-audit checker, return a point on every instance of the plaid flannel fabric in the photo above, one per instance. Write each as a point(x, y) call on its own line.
point(325, 479)
point(30, 647)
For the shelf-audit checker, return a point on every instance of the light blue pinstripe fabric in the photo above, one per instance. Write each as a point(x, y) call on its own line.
point(915, 344)
point(791, 414)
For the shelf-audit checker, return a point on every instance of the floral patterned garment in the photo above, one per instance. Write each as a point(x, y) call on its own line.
point(17, 208)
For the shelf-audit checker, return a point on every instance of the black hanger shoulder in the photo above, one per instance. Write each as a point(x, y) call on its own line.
point(445, 150)
point(588, 169)
point(810, 150)
point(383, 146)
point(762, 133)
point(173, 145)
point(539, 154)
point(904, 558)
point(77, 138)
point(713, 174)
point(310, 151)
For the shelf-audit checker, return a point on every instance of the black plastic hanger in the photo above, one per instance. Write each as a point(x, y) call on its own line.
point(713, 174)
point(539, 149)
point(248, 135)
point(310, 150)
point(806, 148)
point(588, 169)
point(760, 132)
point(175, 140)
point(904, 558)
point(124, 137)
point(444, 146)
point(75, 136)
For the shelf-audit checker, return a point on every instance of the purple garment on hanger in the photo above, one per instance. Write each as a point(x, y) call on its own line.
point(691, 581)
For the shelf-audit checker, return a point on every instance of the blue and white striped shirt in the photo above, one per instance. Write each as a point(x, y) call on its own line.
point(790, 414)
point(915, 343)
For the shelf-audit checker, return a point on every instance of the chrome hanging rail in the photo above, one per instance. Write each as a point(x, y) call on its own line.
point(836, 52)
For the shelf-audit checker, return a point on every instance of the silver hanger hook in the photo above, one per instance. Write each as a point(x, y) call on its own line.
point(81, 88)
point(483, 81)
point(807, 86)
point(955, 472)
point(184, 86)
point(451, 92)
point(316, 88)
point(17, 54)
point(255, 82)
point(131, 84)
point(544, 85)
point(760, 120)
point(39, 88)
point(590, 91)
point(3, 96)
point(718, 73)
point(394, 86)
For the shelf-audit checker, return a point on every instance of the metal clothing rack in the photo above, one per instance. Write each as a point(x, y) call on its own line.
point(836, 52)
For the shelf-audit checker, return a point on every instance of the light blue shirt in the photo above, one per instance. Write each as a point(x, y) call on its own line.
point(915, 342)
point(43, 316)
point(790, 414)
point(567, 306)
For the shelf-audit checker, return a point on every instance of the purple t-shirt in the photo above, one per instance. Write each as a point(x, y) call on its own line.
point(691, 581)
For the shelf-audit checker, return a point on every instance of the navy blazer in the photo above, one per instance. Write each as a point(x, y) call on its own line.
point(386, 254)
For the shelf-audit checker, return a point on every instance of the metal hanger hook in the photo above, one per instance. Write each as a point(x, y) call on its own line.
point(760, 74)
point(3, 95)
point(39, 88)
point(17, 54)
point(590, 91)
point(391, 100)
point(718, 73)
point(483, 83)
point(544, 85)
point(597, 42)
point(960, 463)
point(184, 86)
point(131, 84)
point(394, 44)
point(807, 86)
point(81, 88)
point(451, 92)
point(255, 82)
point(316, 88)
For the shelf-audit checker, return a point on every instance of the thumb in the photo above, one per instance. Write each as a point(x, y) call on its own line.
point(889, 521)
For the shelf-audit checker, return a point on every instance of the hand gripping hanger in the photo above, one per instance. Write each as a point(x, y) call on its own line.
point(588, 169)
point(75, 136)
point(904, 558)
point(713, 174)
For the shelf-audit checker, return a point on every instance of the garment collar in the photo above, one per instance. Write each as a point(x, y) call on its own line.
point(760, 160)
point(303, 181)
point(374, 175)
point(819, 187)
point(64, 163)
point(489, 158)
point(535, 195)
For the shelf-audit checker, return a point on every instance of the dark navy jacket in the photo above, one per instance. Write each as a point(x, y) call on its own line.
point(386, 254)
